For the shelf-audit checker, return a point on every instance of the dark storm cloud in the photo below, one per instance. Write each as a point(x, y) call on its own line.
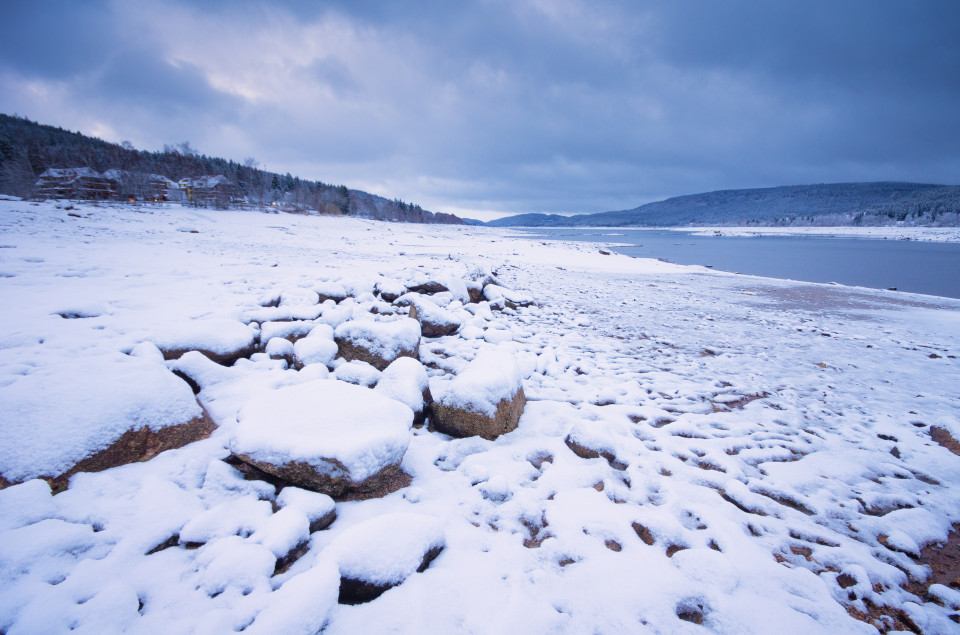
point(544, 105)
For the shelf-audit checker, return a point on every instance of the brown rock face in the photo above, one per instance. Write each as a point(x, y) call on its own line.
point(459, 422)
point(138, 445)
point(333, 480)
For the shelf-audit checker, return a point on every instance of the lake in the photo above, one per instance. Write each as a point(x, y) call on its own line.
point(906, 265)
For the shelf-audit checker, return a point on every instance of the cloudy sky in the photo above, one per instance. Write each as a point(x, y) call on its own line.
point(481, 107)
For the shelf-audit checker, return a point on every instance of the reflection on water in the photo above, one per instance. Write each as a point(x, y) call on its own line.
point(917, 267)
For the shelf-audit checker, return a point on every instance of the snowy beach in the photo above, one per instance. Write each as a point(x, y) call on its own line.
point(697, 449)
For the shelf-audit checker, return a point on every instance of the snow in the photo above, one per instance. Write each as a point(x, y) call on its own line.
point(315, 349)
point(324, 419)
point(54, 417)
point(405, 380)
point(357, 372)
point(387, 549)
point(387, 339)
point(752, 424)
point(493, 376)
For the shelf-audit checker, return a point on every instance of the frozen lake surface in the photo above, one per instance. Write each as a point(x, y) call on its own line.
point(930, 268)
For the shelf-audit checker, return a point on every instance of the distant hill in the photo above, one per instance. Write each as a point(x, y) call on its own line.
point(27, 149)
point(837, 204)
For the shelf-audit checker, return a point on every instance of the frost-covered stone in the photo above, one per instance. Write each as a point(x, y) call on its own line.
point(94, 414)
point(378, 343)
point(291, 330)
point(222, 340)
point(486, 399)
point(406, 381)
point(509, 297)
point(299, 297)
point(280, 348)
point(326, 436)
point(330, 291)
point(389, 290)
point(382, 552)
point(434, 321)
point(319, 509)
point(314, 350)
point(357, 372)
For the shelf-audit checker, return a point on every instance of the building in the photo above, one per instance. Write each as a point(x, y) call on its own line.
point(205, 191)
point(77, 183)
point(140, 186)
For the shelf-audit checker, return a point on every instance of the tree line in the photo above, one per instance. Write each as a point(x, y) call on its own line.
point(27, 149)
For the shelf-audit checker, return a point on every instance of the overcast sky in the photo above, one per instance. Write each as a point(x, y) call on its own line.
point(490, 106)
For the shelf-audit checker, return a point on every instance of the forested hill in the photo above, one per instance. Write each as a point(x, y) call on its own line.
point(27, 149)
point(837, 204)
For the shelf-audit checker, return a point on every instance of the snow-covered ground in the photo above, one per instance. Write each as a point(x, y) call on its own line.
point(763, 460)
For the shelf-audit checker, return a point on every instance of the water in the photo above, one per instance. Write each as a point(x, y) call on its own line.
point(906, 265)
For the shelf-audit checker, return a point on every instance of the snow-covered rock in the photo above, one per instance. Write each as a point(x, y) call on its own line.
point(389, 290)
point(222, 340)
point(330, 291)
point(509, 297)
point(298, 297)
point(382, 552)
point(378, 342)
point(405, 380)
point(280, 348)
point(357, 372)
point(327, 436)
point(319, 509)
point(434, 321)
point(93, 414)
point(317, 347)
point(486, 399)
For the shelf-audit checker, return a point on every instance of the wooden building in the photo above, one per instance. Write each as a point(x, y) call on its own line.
point(77, 183)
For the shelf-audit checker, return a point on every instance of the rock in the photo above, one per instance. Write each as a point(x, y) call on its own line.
point(94, 414)
point(288, 329)
point(319, 509)
point(299, 297)
point(428, 287)
point(406, 381)
point(434, 321)
point(331, 291)
point(280, 348)
point(382, 552)
point(357, 372)
point(221, 340)
point(316, 348)
point(510, 298)
point(486, 399)
point(389, 290)
point(327, 436)
point(475, 290)
point(378, 343)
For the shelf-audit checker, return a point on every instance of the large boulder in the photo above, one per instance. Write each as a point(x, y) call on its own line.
point(486, 399)
point(378, 342)
point(94, 414)
point(327, 436)
point(383, 552)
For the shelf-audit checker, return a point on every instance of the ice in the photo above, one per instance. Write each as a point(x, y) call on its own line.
point(325, 419)
point(56, 416)
point(489, 379)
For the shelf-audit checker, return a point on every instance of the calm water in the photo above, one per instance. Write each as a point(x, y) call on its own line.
point(907, 265)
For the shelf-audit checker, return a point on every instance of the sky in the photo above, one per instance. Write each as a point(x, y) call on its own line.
point(488, 107)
